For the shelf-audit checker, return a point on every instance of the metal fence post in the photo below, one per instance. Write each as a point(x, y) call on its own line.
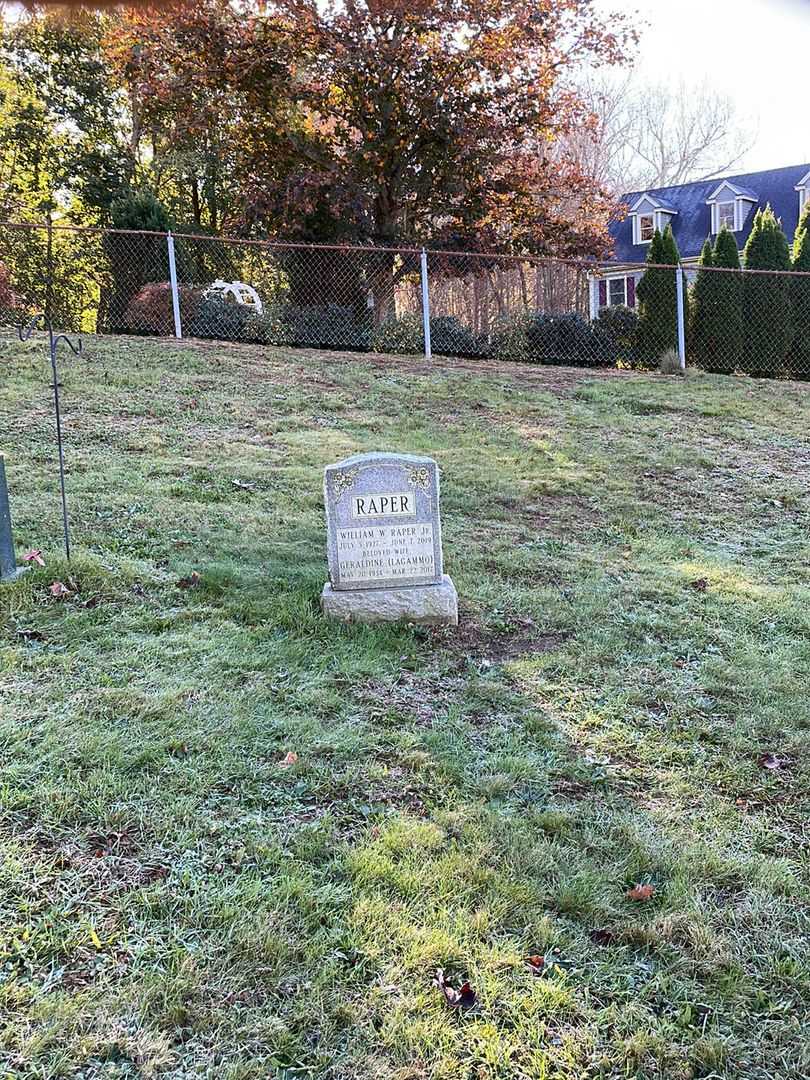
point(681, 316)
point(178, 326)
point(425, 303)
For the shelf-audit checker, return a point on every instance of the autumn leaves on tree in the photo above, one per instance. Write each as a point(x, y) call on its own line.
point(405, 121)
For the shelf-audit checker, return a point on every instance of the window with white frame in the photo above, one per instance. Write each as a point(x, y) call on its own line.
point(725, 215)
point(646, 228)
point(617, 291)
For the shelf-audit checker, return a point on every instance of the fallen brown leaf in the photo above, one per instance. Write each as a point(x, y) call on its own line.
point(35, 556)
point(602, 937)
point(60, 590)
point(290, 759)
point(463, 998)
point(640, 892)
point(536, 964)
point(700, 585)
point(190, 582)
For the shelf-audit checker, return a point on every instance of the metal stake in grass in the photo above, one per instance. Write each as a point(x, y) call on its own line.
point(25, 333)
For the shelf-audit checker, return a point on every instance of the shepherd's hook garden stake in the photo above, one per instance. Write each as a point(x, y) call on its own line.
point(25, 333)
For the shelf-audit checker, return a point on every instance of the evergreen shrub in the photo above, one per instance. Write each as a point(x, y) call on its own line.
point(768, 325)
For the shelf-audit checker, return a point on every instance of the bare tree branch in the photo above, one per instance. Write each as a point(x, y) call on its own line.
point(652, 134)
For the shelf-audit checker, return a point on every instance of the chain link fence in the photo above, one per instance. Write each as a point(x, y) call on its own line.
point(402, 300)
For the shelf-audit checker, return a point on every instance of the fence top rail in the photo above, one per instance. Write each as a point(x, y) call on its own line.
point(301, 245)
point(602, 272)
point(589, 266)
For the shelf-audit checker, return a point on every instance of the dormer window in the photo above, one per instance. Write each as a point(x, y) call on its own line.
point(648, 213)
point(726, 216)
point(730, 206)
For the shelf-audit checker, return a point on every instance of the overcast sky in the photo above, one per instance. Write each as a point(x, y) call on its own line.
point(757, 51)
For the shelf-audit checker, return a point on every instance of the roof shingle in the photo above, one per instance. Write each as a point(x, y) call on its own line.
point(692, 223)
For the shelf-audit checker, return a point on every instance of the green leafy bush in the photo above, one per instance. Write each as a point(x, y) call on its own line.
point(534, 337)
point(135, 259)
point(448, 337)
point(327, 326)
point(657, 298)
point(225, 320)
point(617, 330)
point(800, 297)
point(703, 320)
point(400, 336)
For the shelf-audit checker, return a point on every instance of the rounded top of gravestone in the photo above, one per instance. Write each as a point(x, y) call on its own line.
point(376, 457)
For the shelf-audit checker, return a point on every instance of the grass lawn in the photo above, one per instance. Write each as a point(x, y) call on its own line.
point(625, 703)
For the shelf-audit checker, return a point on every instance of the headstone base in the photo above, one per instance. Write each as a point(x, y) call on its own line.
point(17, 572)
point(435, 605)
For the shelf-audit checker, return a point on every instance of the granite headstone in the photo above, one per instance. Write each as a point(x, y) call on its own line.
point(384, 541)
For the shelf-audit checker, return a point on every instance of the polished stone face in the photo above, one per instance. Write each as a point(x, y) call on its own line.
point(383, 527)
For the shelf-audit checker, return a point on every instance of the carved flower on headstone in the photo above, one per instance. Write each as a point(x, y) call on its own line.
point(419, 477)
point(343, 481)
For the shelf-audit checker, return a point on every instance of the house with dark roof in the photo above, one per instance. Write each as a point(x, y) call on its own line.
point(695, 211)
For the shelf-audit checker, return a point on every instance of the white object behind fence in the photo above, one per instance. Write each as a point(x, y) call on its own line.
point(244, 295)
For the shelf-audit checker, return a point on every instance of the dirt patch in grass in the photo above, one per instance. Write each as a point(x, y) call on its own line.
point(515, 638)
point(419, 695)
point(399, 792)
point(557, 513)
point(573, 789)
point(552, 378)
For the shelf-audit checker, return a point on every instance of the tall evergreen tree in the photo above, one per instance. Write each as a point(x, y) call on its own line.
point(657, 299)
point(703, 318)
point(800, 297)
point(728, 303)
point(766, 298)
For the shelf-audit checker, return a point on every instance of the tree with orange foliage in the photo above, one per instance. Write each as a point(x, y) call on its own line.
point(383, 121)
point(208, 93)
point(437, 121)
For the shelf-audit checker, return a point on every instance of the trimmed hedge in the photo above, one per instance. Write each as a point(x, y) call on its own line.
point(617, 328)
point(528, 337)
point(537, 338)
point(330, 326)
point(221, 319)
point(448, 337)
